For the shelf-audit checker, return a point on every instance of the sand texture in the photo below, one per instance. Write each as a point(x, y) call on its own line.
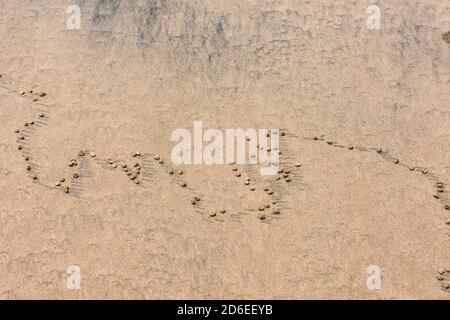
point(86, 176)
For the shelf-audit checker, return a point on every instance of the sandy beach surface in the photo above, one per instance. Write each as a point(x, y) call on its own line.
point(88, 187)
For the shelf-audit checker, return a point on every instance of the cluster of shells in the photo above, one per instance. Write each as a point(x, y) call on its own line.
point(134, 171)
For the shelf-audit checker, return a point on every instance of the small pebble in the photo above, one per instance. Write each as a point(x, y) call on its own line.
point(26, 158)
point(42, 94)
point(81, 153)
point(270, 192)
point(212, 214)
point(267, 206)
point(411, 168)
point(170, 171)
point(441, 271)
point(19, 147)
point(287, 179)
point(41, 115)
point(448, 221)
point(330, 142)
point(439, 278)
point(447, 207)
point(315, 138)
point(379, 150)
point(114, 165)
point(222, 211)
point(76, 176)
point(261, 208)
point(262, 217)
point(35, 177)
point(234, 169)
point(238, 174)
point(350, 148)
point(21, 137)
point(183, 184)
point(297, 165)
point(137, 182)
point(17, 131)
point(197, 198)
point(28, 168)
point(396, 161)
point(161, 161)
point(252, 188)
point(285, 175)
point(436, 196)
point(31, 122)
point(180, 172)
point(57, 184)
point(247, 183)
point(283, 133)
point(157, 158)
point(92, 154)
point(276, 212)
point(445, 286)
point(266, 189)
point(193, 202)
point(424, 171)
point(66, 189)
point(277, 178)
point(62, 180)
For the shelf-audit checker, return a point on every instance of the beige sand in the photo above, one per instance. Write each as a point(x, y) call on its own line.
point(137, 70)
